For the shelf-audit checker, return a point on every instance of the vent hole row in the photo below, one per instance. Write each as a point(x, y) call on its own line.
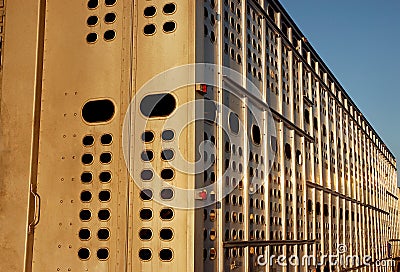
point(145, 254)
point(102, 254)
point(105, 139)
point(168, 27)
point(151, 11)
point(92, 4)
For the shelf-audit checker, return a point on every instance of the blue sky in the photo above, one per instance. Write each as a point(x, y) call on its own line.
point(358, 40)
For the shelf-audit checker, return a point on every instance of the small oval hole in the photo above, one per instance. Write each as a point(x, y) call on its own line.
point(166, 214)
point(104, 215)
point(150, 11)
point(87, 158)
point(145, 254)
point(84, 253)
point(92, 4)
point(110, 18)
point(166, 254)
point(167, 154)
point(167, 194)
point(167, 173)
point(168, 135)
point(109, 35)
point(103, 234)
point(88, 140)
point(92, 20)
point(105, 176)
point(97, 111)
point(86, 196)
point(84, 234)
point(146, 214)
point(146, 175)
point(104, 196)
point(149, 29)
point(147, 155)
point(146, 194)
point(85, 215)
point(169, 8)
point(106, 139)
point(105, 157)
point(110, 2)
point(166, 234)
point(102, 254)
point(169, 26)
point(91, 37)
point(86, 177)
point(147, 136)
point(145, 234)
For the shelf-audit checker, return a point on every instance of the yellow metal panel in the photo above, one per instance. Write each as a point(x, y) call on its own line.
point(17, 109)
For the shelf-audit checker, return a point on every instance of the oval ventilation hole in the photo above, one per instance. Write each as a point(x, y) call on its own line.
point(110, 2)
point(166, 234)
point(213, 254)
point(109, 35)
point(169, 26)
point(167, 154)
point(84, 253)
point(147, 136)
point(91, 37)
point(145, 254)
point(92, 4)
point(166, 214)
point(157, 105)
point(288, 151)
point(256, 134)
point(105, 176)
point(147, 155)
point(86, 177)
point(110, 18)
point(85, 215)
point(168, 135)
point(88, 140)
point(103, 234)
point(274, 144)
point(149, 29)
point(97, 111)
point(87, 158)
point(146, 175)
point(167, 173)
point(149, 11)
point(106, 139)
point(105, 157)
point(167, 194)
point(104, 196)
point(146, 194)
point(234, 122)
point(299, 158)
point(92, 20)
point(104, 215)
point(146, 214)
point(145, 234)
point(169, 8)
point(166, 254)
point(84, 234)
point(102, 254)
point(86, 196)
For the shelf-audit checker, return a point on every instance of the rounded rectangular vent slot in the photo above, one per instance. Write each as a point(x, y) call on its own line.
point(98, 111)
point(157, 105)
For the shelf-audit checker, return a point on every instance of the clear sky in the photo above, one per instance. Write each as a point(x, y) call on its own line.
point(359, 41)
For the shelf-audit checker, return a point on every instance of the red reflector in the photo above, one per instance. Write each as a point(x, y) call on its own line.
point(203, 88)
point(203, 195)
